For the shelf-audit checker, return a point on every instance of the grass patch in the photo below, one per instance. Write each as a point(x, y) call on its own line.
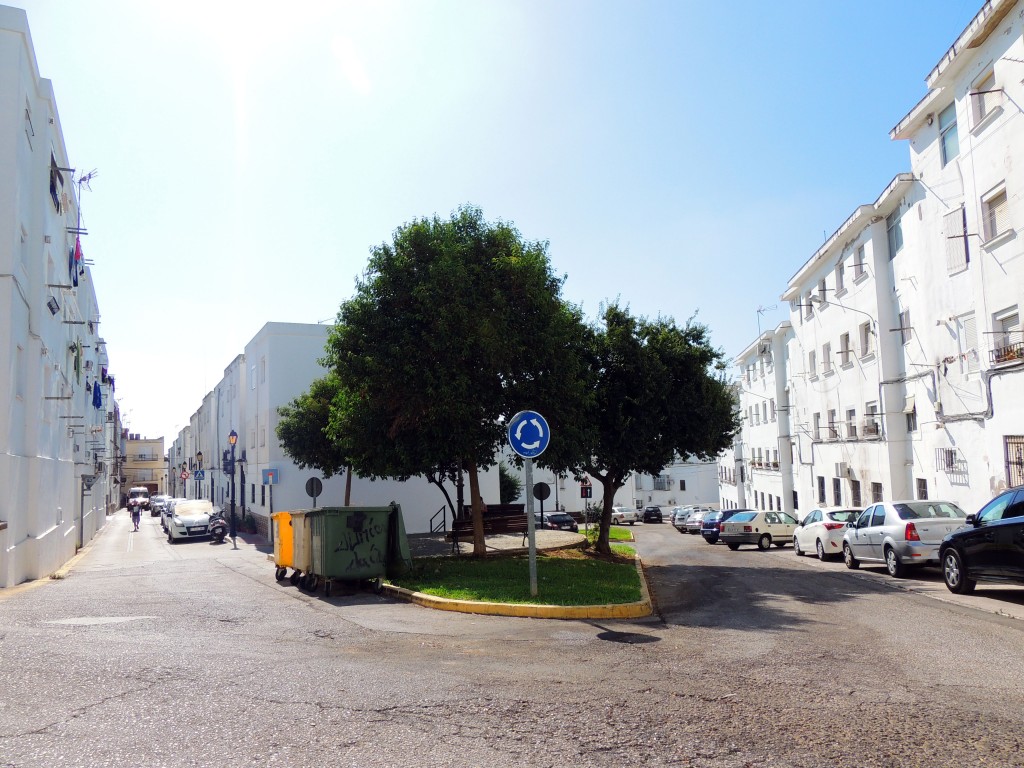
point(615, 533)
point(567, 577)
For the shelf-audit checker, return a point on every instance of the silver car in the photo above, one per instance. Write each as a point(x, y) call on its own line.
point(901, 534)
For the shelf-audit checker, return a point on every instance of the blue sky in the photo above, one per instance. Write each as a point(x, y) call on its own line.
point(682, 157)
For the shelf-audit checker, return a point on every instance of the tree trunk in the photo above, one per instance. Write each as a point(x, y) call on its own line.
point(608, 490)
point(348, 486)
point(479, 549)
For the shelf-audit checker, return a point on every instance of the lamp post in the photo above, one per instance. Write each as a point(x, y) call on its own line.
point(199, 463)
point(233, 524)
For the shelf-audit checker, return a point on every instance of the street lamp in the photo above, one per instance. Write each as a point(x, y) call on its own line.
point(233, 530)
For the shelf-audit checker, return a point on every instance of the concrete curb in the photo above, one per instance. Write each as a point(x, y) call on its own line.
point(534, 611)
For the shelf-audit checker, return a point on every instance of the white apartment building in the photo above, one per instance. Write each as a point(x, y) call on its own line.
point(906, 358)
point(684, 482)
point(278, 365)
point(59, 434)
point(755, 473)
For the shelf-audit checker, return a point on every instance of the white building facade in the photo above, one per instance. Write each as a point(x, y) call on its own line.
point(59, 434)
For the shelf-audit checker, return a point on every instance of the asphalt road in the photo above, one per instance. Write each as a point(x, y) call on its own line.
point(193, 655)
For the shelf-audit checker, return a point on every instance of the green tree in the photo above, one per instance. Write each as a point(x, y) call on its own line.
point(456, 325)
point(510, 485)
point(660, 392)
point(302, 430)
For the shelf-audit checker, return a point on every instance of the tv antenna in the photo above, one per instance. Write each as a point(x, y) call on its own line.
point(761, 309)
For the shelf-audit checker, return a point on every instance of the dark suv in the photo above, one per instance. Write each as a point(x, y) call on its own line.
point(989, 548)
point(711, 525)
point(652, 514)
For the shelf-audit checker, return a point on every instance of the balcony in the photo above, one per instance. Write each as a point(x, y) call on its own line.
point(1010, 352)
point(870, 428)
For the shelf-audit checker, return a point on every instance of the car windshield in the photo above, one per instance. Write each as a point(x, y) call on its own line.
point(843, 516)
point(140, 494)
point(743, 517)
point(558, 517)
point(918, 510)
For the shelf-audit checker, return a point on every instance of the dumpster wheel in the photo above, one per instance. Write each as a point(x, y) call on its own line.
point(280, 574)
point(295, 577)
point(327, 588)
point(378, 586)
point(312, 582)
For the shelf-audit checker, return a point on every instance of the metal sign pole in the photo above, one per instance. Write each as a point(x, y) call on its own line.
point(531, 528)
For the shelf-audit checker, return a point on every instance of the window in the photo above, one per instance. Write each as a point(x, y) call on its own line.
point(871, 427)
point(682, 485)
point(967, 343)
point(894, 231)
point(905, 328)
point(833, 426)
point(866, 342)
point(778, 503)
point(1008, 341)
point(912, 419)
point(771, 502)
point(858, 264)
point(949, 143)
point(821, 293)
point(263, 495)
point(662, 483)
point(985, 98)
point(851, 422)
point(817, 427)
point(795, 499)
point(56, 184)
point(837, 491)
point(840, 278)
point(826, 358)
point(762, 499)
point(876, 492)
point(808, 307)
point(954, 226)
point(775, 458)
point(845, 358)
point(922, 488)
point(994, 215)
point(772, 404)
point(263, 370)
point(821, 489)
point(764, 412)
point(855, 493)
point(812, 364)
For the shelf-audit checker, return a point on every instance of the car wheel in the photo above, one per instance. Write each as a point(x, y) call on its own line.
point(851, 562)
point(821, 550)
point(170, 538)
point(764, 542)
point(733, 545)
point(711, 539)
point(954, 573)
point(893, 564)
point(796, 548)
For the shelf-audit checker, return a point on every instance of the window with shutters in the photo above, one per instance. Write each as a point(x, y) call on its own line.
point(967, 340)
point(994, 215)
point(954, 225)
point(906, 331)
point(986, 99)
point(840, 278)
point(948, 139)
point(812, 364)
point(1008, 342)
point(859, 268)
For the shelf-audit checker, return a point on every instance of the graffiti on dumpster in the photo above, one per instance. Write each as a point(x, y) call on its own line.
point(361, 540)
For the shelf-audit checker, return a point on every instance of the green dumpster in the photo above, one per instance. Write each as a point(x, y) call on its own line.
point(356, 544)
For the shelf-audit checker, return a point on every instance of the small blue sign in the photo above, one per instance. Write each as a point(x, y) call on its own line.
point(199, 474)
point(528, 434)
point(271, 476)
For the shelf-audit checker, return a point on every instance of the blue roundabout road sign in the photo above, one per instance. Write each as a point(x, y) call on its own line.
point(528, 434)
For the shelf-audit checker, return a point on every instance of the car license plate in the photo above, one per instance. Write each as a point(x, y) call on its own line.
point(197, 531)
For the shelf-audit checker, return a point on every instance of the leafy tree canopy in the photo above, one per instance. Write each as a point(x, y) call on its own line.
point(302, 428)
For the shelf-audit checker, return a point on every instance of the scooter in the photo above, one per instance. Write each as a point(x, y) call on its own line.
point(218, 526)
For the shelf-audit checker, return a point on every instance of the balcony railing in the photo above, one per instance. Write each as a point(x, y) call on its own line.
point(871, 428)
point(1008, 353)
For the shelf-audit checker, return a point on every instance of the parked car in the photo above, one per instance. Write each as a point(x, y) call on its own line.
point(168, 512)
point(678, 512)
point(990, 548)
point(901, 534)
point(696, 518)
point(763, 528)
point(157, 503)
point(822, 531)
point(710, 526)
point(652, 514)
point(556, 521)
point(190, 520)
point(623, 515)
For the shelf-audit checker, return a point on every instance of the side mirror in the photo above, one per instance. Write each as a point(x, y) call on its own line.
point(972, 519)
point(852, 524)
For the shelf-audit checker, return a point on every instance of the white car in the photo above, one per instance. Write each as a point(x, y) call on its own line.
point(167, 512)
point(822, 531)
point(761, 528)
point(624, 515)
point(901, 534)
point(189, 520)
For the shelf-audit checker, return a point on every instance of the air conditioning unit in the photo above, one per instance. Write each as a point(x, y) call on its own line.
point(841, 469)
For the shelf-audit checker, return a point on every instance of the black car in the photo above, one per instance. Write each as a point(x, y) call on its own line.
point(711, 525)
point(652, 514)
point(557, 521)
point(989, 548)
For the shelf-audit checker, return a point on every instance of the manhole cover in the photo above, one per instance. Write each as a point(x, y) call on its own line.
point(630, 638)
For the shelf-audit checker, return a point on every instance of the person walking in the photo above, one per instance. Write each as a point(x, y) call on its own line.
point(136, 513)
